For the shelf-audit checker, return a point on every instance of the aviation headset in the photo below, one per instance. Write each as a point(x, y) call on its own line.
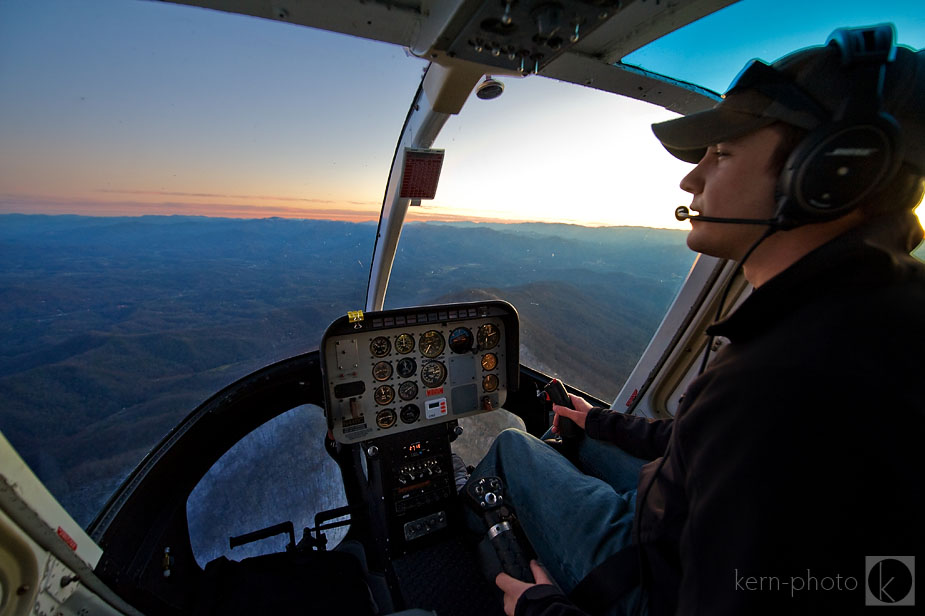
point(854, 153)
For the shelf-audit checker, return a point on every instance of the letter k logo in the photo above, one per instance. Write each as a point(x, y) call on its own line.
point(890, 580)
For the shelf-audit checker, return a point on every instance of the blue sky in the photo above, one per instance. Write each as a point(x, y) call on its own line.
point(127, 106)
point(710, 52)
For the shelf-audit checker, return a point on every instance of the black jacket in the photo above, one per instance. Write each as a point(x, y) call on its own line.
point(796, 454)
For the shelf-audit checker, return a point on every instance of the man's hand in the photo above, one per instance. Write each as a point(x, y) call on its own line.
point(513, 588)
point(579, 414)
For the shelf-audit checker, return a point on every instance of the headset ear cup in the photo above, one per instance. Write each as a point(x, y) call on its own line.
point(836, 167)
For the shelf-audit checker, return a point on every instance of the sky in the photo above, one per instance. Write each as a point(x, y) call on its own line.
point(129, 107)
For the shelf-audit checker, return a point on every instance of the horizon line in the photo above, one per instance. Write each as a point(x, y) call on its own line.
point(54, 207)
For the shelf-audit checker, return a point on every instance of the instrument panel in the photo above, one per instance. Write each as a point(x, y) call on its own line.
point(398, 370)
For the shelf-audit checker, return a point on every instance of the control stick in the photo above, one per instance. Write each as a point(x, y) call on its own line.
point(555, 393)
point(488, 495)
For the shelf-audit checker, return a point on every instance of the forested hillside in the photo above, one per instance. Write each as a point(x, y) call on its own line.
point(113, 329)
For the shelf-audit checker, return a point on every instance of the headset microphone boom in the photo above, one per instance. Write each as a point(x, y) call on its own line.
point(682, 213)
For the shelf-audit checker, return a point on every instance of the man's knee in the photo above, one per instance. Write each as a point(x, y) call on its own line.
point(511, 437)
point(512, 442)
point(509, 445)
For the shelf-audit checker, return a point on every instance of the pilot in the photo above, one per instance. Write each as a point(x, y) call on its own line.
point(789, 480)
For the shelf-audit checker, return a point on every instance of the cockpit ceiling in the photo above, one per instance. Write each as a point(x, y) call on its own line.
point(507, 38)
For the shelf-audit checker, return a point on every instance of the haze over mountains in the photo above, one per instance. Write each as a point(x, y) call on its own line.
point(113, 329)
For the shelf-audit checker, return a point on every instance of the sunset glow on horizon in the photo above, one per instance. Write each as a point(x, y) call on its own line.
point(118, 108)
point(259, 207)
point(343, 212)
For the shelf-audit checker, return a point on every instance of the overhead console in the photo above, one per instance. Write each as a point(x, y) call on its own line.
point(522, 36)
point(399, 370)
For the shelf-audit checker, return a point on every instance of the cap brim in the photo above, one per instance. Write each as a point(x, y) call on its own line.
point(689, 137)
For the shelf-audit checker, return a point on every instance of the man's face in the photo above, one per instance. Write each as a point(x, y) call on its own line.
point(732, 180)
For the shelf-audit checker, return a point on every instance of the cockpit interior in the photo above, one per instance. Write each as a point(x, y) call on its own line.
point(389, 397)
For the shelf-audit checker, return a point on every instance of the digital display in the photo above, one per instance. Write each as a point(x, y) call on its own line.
point(415, 449)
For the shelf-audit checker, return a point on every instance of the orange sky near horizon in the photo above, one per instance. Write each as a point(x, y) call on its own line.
point(270, 207)
point(242, 206)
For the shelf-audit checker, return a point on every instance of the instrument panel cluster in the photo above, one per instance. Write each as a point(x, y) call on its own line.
point(397, 370)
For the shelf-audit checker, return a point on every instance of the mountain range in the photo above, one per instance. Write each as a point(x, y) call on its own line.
point(114, 329)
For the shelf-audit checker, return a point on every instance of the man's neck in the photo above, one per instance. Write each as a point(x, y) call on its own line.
point(784, 248)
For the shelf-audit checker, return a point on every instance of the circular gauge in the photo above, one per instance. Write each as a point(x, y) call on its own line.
point(404, 343)
point(433, 374)
point(384, 394)
point(406, 367)
point(382, 371)
point(489, 336)
point(432, 343)
point(461, 340)
point(408, 390)
point(410, 413)
point(380, 346)
point(490, 382)
point(386, 418)
point(489, 361)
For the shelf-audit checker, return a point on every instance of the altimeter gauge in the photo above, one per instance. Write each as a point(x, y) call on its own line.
point(404, 343)
point(433, 374)
point(489, 336)
point(380, 346)
point(431, 343)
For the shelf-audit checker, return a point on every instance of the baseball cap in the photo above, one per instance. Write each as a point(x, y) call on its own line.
point(806, 89)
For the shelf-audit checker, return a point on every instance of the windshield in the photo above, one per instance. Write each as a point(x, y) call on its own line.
point(163, 173)
point(710, 52)
point(591, 293)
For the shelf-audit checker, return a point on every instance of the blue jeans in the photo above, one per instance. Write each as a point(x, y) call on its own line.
point(575, 518)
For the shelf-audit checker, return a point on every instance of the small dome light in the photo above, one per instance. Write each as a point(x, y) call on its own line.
point(489, 89)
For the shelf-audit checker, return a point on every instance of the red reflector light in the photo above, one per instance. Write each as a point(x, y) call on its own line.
point(67, 538)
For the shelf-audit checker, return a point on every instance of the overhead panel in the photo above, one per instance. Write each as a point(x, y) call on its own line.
point(524, 36)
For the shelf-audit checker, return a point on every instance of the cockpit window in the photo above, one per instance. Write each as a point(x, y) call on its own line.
point(559, 200)
point(712, 50)
point(278, 473)
point(155, 161)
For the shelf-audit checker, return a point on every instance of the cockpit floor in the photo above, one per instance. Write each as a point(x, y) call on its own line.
point(446, 578)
